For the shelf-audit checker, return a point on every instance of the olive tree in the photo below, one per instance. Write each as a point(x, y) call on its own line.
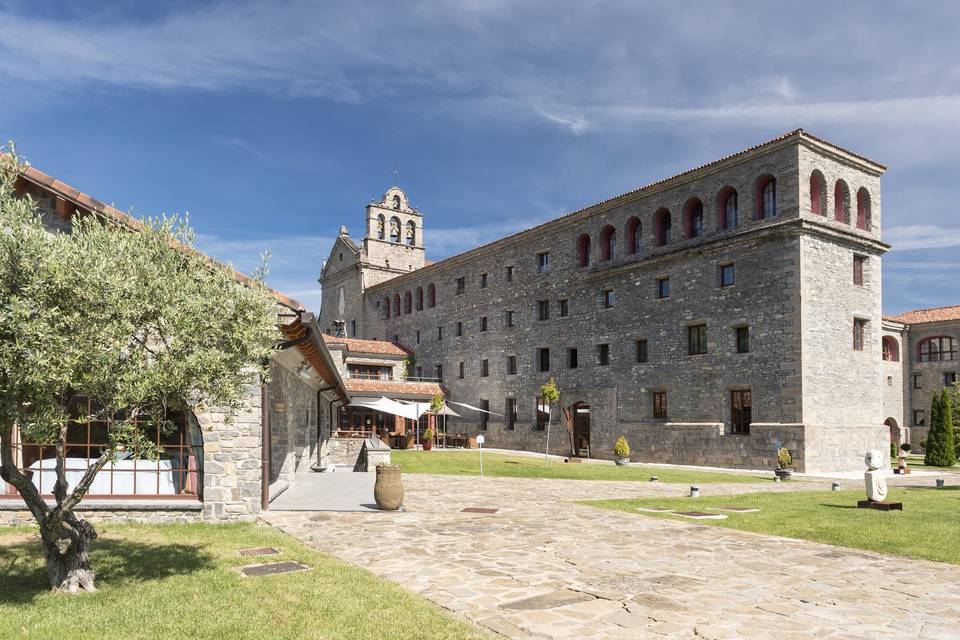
point(549, 395)
point(127, 316)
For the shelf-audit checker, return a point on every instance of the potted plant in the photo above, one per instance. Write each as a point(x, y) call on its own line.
point(621, 452)
point(427, 439)
point(784, 460)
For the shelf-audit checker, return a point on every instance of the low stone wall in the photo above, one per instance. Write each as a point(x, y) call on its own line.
point(374, 452)
point(15, 513)
point(842, 448)
point(706, 444)
point(341, 451)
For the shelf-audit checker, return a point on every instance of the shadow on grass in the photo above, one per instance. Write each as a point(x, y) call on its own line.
point(839, 506)
point(23, 574)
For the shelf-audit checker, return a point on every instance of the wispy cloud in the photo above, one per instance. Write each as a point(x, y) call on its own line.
point(912, 237)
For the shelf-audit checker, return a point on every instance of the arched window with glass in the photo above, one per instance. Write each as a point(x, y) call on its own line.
point(937, 349)
point(419, 299)
point(818, 193)
point(766, 197)
point(633, 233)
point(608, 243)
point(431, 296)
point(727, 208)
point(663, 227)
point(693, 218)
point(841, 202)
point(583, 250)
point(863, 209)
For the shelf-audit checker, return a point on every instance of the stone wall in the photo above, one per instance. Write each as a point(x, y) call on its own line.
point(293, 425)
point(787, 270)
point(112, 515)
point(923, 379)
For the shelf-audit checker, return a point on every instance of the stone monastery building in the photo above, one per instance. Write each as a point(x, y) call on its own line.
point(708, 317)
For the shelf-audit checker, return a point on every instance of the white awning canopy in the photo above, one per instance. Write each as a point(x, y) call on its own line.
point(412, 411)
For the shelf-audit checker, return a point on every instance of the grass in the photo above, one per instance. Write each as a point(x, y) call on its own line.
point(179, 581)
point(926, 528)
point(467, 463)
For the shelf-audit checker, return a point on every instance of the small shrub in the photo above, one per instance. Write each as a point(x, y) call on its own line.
point(893, 450)
point(428, 434)
point(906, 447)
point(784, 459)
point(621, 449)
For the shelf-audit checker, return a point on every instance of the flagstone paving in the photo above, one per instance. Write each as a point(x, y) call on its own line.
point(543, 567)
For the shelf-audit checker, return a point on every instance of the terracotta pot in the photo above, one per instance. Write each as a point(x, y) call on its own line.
point(388, 489)
point(427, 445)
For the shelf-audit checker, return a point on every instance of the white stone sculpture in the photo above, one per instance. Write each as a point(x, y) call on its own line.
point(874, 477)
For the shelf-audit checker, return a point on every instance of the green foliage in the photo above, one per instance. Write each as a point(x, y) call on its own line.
point(428, 434)
point(784, 459)
point(436, 403)
point(621, 449)
point(893, 450)
point(940, 447)
point(906, 447)
point(132, 318)
point(549, 391)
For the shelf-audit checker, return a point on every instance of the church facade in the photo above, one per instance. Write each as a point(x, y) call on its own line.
point(709, 317)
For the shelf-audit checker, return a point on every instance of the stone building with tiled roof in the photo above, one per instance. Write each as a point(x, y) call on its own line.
point(709, 317)
point(920, 353)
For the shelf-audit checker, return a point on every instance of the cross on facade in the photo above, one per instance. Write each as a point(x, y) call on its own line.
point(396, 177)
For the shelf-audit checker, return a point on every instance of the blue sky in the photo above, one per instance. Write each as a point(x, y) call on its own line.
point(273, 123)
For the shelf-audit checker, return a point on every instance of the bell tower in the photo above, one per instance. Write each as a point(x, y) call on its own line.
point(394, 240)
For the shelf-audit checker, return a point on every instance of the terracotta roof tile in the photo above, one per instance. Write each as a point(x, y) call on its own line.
point(934, 314)
point(356, 345)
point(386, 387)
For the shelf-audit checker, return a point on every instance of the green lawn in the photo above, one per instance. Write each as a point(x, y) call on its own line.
point(467, 463)
point(926, 528)
point(179, 581)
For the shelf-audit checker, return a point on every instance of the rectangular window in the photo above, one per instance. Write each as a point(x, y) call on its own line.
point(697, 339)
point(543, 414)
point(642, 350)
point(919, 417)
point(726, 275)
point(743, 339)
point(483, 281)
point(659, 404)
point(439, 369)
point(484, 415)
point(917, 381)
point(509, 274)
point(511, 365)
point(858, 262)
point(511, 413)
point(460, 371)
point(949, 378)
point(609, 298)
point(508, 318)
point(543, 359)
point(483, 323)
point(458, 329)
point(419, 372)
point(572, 358)
point(563, 308)
point(663, 288)
point(859, 330)
point(439, 333)
point(543, 309)
point(484, 368)
point(603, 354)
point(543, 262)
point(461, 285)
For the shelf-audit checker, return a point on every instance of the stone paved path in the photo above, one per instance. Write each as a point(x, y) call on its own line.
point(542, 567)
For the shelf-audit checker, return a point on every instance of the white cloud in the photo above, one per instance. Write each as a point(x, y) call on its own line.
point(911, 237)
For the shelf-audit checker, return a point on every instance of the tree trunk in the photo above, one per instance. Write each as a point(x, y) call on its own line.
point(68, 555)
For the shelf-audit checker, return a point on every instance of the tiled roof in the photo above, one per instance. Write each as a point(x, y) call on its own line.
point(356, 345)
point(386, 387)
point(935, 314)
point(796, 133)
point(83, 200)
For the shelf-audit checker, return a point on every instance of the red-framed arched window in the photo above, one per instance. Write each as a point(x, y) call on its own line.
point(431, 296)
point(608, 243)
point(419, 299)
point(818, 195)
point(396, 304)
point(841, 202)
point(727, 208)
point(633, 233)
point(863, 209)
point(663, 227)
point(936, 349)
point(891, 350)
point(766, 197)
point(693, 218)
point(583, 249)
point(386, 303)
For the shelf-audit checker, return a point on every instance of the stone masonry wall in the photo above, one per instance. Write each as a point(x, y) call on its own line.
point(925, 378)
point(293, 425)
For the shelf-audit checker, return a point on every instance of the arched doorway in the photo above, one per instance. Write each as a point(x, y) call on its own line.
point(581, 429)
point(895, 435)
